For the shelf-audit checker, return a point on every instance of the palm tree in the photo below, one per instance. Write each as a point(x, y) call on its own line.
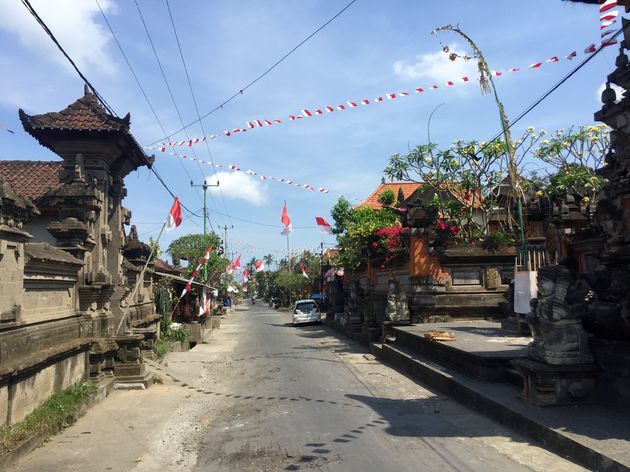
point(268, 260)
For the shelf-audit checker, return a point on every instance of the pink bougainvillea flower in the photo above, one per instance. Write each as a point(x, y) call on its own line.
point(374, 244)
point(441, 225)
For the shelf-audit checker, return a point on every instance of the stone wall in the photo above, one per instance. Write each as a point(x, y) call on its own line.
point(21, 396)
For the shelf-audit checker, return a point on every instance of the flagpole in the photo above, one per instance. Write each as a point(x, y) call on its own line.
point(141, 277)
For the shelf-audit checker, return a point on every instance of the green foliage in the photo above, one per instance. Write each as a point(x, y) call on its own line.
point(157, 252)
point(359, 226)
point(60, 410)
point(341, 215)
point(575, 155)
point(387, 198)
point(192, 247)
point(498, 239)
point(161, 348)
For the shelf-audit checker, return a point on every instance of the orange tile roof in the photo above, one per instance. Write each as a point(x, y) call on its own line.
point(372, 201)
point(31, 178)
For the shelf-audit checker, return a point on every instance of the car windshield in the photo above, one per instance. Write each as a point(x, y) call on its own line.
point(310, 306)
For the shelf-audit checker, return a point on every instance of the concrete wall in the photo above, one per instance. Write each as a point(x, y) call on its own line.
point(22, 395)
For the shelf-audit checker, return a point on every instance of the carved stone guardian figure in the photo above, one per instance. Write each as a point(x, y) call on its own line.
point(397, 309)
point(559, 337)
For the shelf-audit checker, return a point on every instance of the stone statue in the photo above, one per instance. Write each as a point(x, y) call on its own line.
point(355, 300)
point(559, 337)
point(397, 309)
point(79, 169)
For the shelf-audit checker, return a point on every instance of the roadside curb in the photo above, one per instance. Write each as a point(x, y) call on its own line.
point(439, 378)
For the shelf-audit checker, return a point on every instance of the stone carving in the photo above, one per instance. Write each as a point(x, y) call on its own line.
point(79, 169)
point(492, 278)
point(397, 309)
point(559, 337)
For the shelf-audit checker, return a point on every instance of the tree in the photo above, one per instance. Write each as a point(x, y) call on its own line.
point(460, 180)
point(355, 227)
point(268, 260)
point(192, 248)
point(574, 156)
point(157, 252)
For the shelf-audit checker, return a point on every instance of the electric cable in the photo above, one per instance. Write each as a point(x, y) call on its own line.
point(32, 11)
point(170, 92)
point(276, 64)
point(545, 95)
point(192, 93)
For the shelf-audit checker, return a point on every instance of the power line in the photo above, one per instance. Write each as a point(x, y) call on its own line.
point(168, 88)
point(276, 64)
point(192, 93)
point(144, 94)
point(30, 8)
point(50, 34)
point(263, 224)
point(538, 101)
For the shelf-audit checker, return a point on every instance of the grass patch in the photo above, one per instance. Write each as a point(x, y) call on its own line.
point(168, 335)
point(60, 409)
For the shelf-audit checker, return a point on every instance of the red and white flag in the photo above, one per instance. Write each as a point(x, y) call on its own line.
point(607, 5)
point(245, 276)
point(286, 221)
point(323, 225)
point(260, 266)
point(237, 262)
point(174, 216)
point(303, 270)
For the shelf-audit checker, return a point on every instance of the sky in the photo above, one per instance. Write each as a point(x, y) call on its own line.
point(371, 49)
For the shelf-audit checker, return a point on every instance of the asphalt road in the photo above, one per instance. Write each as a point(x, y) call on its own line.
point(263, 395)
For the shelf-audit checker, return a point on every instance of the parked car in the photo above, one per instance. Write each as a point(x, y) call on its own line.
point(306, 311)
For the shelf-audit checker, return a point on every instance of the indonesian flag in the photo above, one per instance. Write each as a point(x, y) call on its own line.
point(303, 270)
point(286, 221)
point(245, 276)
point(174, 216)
point(260, 266)
point(323, 225)
point(237, 262)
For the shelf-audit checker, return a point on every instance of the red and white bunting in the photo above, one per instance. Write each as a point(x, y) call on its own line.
point(307, 113)
point(607, 5)
point(203, 261)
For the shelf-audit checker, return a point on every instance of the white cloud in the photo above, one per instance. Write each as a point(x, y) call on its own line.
point(238, 185)
point(436, 67)
point(75, 24)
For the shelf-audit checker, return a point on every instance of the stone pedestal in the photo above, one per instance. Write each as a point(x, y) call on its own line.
point(129, 370)
point(551, 385)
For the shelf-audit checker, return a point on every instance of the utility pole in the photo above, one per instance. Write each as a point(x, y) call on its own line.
point(204, 186)
point(321, 268)
point(225, 244)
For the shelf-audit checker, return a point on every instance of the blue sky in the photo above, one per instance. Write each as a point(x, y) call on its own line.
point(373, 48)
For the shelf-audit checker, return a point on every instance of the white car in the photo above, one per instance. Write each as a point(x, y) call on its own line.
point(306, 311)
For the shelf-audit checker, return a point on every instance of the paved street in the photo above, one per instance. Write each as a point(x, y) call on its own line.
point(263, 395)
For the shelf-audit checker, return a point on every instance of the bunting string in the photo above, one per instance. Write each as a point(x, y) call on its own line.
point(608, 19)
